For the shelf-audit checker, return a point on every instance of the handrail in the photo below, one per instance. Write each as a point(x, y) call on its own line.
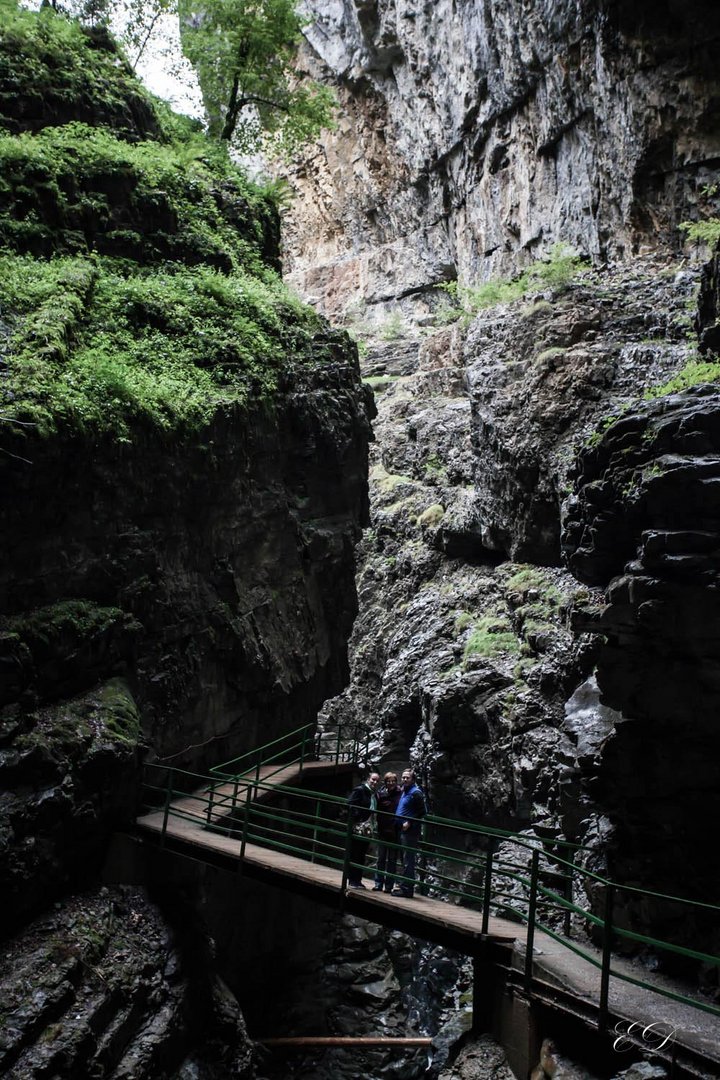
point(307, 747)
point(313, 825)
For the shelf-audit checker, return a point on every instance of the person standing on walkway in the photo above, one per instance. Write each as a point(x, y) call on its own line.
point(362, 805)
point(388, 798)
point(409, 814)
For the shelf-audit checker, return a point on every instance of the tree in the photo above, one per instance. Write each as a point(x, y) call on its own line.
point(242, 52)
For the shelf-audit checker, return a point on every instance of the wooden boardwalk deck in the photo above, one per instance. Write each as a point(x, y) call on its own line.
point(439, 921)
point(436, 920)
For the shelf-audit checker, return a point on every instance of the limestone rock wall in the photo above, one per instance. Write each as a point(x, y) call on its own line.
point(644, 525)
point(473, 136)
point(104, 984)
point(231, 554)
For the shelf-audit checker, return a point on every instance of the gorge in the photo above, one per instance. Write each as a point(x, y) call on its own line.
point(469, 500)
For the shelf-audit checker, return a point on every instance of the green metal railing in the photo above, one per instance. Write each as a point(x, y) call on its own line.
point(535, 883)
point(296, 748)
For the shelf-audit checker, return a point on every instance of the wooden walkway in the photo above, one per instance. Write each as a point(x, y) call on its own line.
point(446, 924)
point(439, 921)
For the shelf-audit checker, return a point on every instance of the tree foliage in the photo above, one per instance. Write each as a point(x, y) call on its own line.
point(242, 51)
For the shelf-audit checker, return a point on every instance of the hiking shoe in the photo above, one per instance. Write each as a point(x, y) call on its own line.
point(356, 885)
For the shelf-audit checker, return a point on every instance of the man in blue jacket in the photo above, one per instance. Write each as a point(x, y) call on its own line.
point(409, 815)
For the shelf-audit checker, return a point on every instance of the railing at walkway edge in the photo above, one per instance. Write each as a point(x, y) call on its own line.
point(536, 885)
point(295, 748)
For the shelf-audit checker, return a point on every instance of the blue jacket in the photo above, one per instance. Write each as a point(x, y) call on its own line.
point(411, 808)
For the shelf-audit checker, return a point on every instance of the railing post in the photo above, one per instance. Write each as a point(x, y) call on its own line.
point(346, 859)
point(337, 744)
point(605, 972)
point(246, 822)
point(487, 890)
point(168, 800)
point(315, 830)
point(531, 920)
point(567, 927)
point(302, 750)
point(422, 861)
point(210, 805)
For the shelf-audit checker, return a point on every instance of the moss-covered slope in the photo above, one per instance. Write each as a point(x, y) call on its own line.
point(138, 275)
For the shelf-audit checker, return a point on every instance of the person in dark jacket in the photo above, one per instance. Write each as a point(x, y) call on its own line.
point(362, 804)
point(409, 815)
point(388, 798)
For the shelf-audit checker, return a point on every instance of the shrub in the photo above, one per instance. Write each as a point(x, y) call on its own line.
point(706, 232)
point(556, 272)
point(694, 373)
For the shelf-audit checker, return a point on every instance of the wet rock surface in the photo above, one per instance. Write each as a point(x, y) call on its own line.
point(225, 567)
point(68, 778)
point(474, 136)
point(459, 653)
point(102, 986)
point(543, 373)
point(644, 522)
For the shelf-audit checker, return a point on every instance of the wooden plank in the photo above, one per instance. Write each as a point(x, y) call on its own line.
point(437, 913)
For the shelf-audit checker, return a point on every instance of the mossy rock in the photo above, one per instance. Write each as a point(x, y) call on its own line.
point(431, 518)
point(75, 730)
point(53, 70)
point(64, 646)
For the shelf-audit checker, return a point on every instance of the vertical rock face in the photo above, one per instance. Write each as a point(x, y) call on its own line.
point(645, 524)
point(176, 581)
point(473, 136)
point(233, 554)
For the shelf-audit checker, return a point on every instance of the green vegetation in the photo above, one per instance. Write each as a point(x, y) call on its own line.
point(462, 620)
point(434, 470)
point(66, 732)
point(76, 619)
point(431, 518)
point(51, 69)
point(118, 713)
point(706, 232)
point(605, 424)
point(530, 578)
point(554, 273)
point(695, 372)
point(393, 327)
point(540, 307)
point(243, 51)
point(548, 356)
point(76, 188)
point(491, 636)
point(137, 274)
point(95, 349)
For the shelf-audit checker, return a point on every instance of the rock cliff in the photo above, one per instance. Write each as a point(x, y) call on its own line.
point(473, 136)
point(183, 467)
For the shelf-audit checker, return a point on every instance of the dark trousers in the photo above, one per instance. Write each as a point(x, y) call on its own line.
point(386, 866)
point(409, 841)
point(358, 853)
